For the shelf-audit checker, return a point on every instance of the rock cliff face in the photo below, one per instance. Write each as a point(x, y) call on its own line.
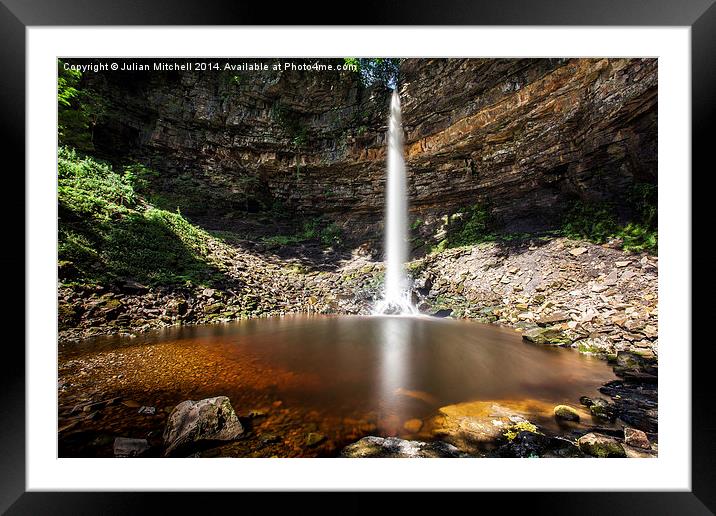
point(522, 136)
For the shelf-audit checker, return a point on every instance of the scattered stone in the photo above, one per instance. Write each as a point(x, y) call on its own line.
point(149, 411)
point(622, 263)
point(553, 318)
point(191, 422)
point(578, 251)
point(566, 413)
point(598, 445)
point(636, 438)
point(392, 447)
point(128, 447)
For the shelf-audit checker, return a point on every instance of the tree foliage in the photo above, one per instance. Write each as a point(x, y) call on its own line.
point(377, 70)
point(78, 110)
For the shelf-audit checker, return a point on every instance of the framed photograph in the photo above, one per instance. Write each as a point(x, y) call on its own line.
point(437, 250)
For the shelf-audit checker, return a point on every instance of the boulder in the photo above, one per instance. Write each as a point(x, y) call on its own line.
point(598, 445)
point(636, 438)
point(191, 422)
point(392, 447)
point(565, 412)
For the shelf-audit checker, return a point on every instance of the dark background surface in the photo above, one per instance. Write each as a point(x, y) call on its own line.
point(15, 15)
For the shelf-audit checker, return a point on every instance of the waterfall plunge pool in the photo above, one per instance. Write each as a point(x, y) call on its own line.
point(337, 377)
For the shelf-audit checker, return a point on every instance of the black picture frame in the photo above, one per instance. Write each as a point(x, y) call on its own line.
point(17, 15)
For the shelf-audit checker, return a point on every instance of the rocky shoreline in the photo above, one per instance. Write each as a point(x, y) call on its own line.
point(556, 292)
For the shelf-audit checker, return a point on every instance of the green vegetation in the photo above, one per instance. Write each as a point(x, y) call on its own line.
point(314, 229)
point(475, 228)
point(291, 123)
point(470, 226)
point(522, 426)
point(597, 222)
point(384, 71)
point(107, 232)
point(78, 110)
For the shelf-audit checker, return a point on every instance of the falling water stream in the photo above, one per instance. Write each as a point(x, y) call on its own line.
point(396, 294)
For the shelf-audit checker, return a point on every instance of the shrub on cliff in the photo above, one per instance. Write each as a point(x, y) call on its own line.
point(597, 222)
point(108, 232)
point(377, 70)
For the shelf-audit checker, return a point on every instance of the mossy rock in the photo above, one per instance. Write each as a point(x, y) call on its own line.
point(602, 446)
point(213, 308)
point(549, 336)
point(566, 413)
point(523, 426)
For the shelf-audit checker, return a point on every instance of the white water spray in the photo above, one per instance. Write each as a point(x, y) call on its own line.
point(396, 294)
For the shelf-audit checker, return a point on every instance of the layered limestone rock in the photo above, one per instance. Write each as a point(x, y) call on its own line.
point(519, 135)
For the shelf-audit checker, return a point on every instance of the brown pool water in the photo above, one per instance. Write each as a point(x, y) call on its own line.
point(337, 376)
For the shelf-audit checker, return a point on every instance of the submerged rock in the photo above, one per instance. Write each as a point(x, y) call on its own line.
point(598, 445)
point(392, 447)
point(474, 427)
point(211, 419)
point(314, 438)
point(413, 426)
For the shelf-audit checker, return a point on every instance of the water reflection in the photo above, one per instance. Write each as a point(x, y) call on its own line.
point(394, 344)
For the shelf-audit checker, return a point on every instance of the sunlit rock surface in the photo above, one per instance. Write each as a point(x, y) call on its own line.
point(392, 447)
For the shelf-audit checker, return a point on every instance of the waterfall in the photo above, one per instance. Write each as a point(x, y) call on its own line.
point(396, 293)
